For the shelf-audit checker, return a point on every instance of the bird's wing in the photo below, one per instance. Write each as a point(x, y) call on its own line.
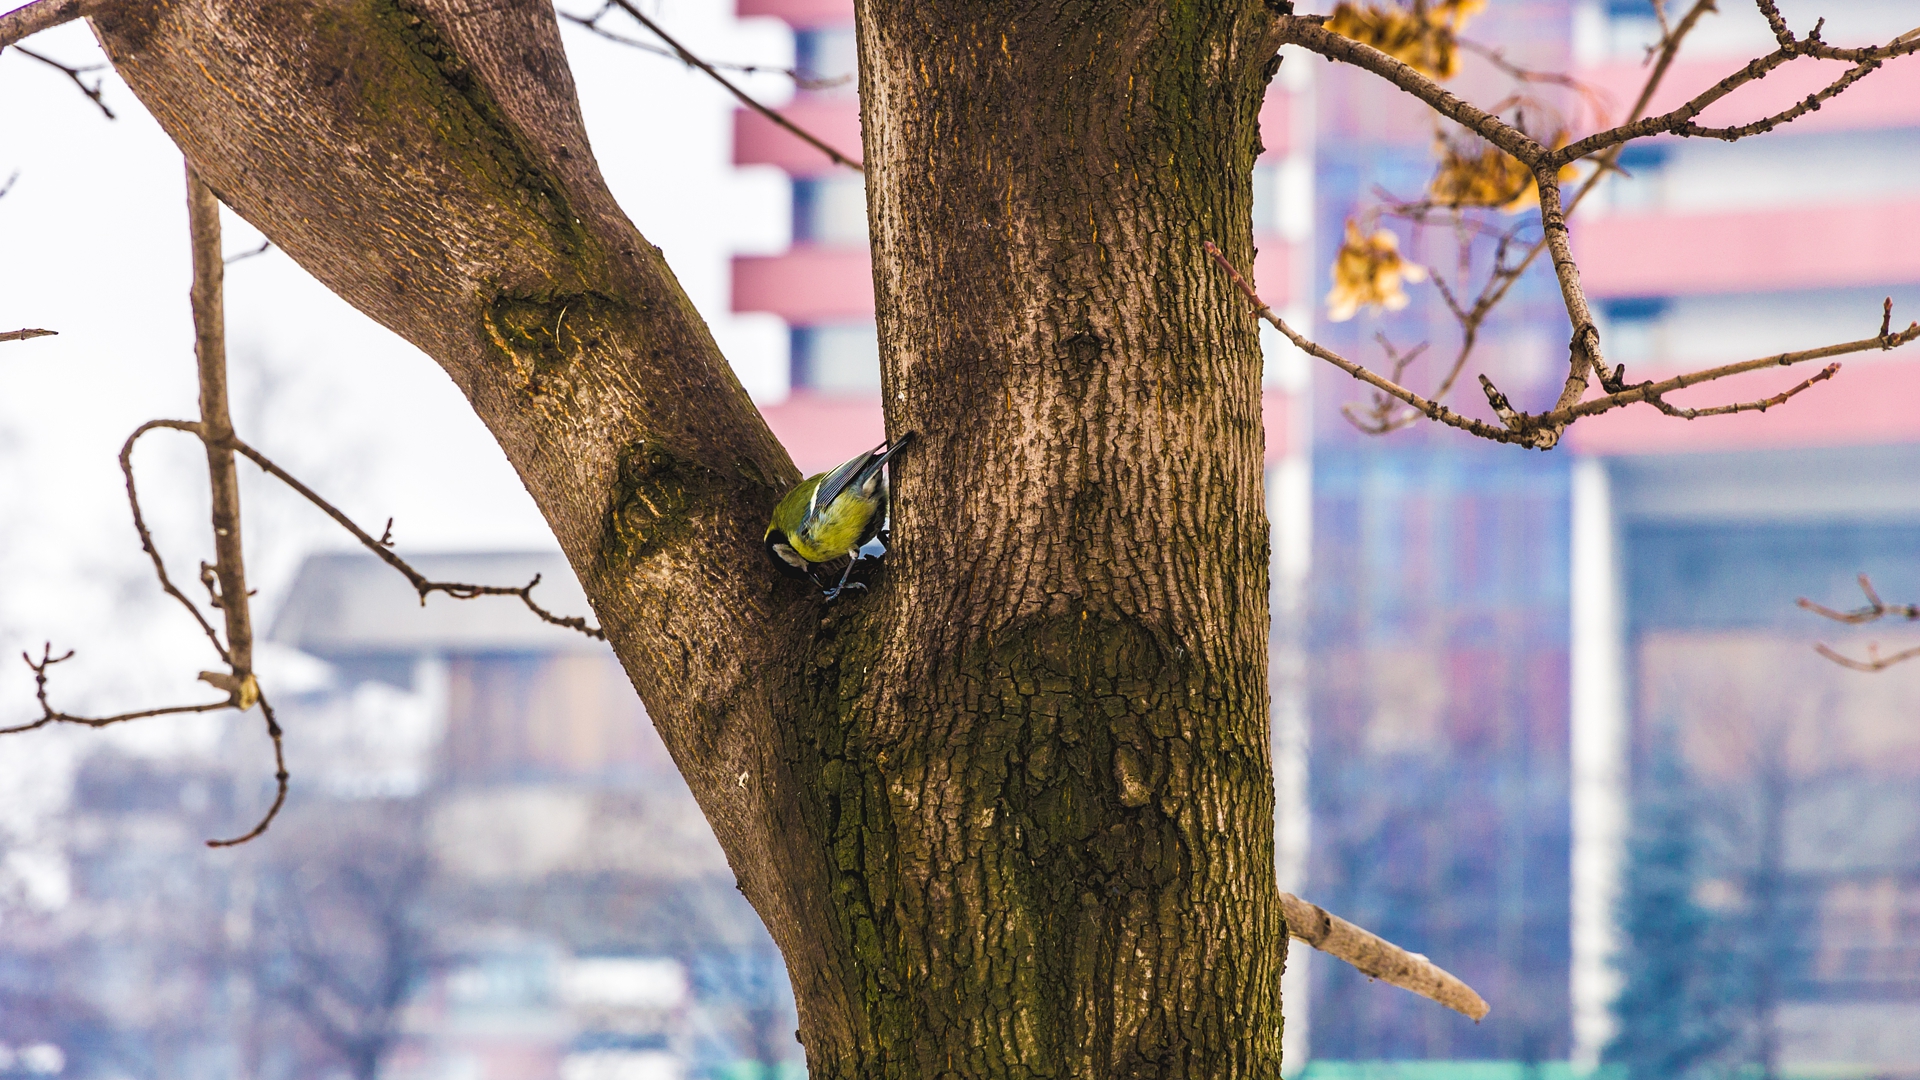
point(832, 484)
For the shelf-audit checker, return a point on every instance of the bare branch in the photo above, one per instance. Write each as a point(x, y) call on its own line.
point(216, 429)
point(1433, 410)
point(1762, 405)
point(1378, 958)
point(1875, 610)
point(146, 536)
point(1542, 430)
point(1650, 390)
point(30, 19)
point(26, 334)
point(1383, 415)
point(51, 715)
point(279, 778)
point(744, 98)
point(1680, 121)
point(1307, 32)
point(383, 547)
point(1873, 662)
point(73, 73)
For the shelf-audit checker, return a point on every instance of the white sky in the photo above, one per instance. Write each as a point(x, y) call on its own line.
point(95, 247)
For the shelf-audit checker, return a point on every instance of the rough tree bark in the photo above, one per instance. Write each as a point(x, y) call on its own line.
point(1010, 812)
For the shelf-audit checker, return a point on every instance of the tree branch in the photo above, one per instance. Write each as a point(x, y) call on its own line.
point(1542, 430)
point(1680, 121)
point(73, 73)
point(1381, 416)
point(1875, 610)
point(1306, 32)
point(51, 715)
point(26, 334)
point(146, 536)
point(29, 19)
point(1379, 958)
point(800, 79)
point(383, 547)
point(216, 429)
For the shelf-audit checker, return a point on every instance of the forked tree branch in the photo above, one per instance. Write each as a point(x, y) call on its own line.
point(229, 569)
point(51, 715)
point(73, 73)
point(383, 547)
point(1585, 355)
point(1875, 610)
point(226, 577)
point(1379, 958)
point(1385, 413)
point(1542, 430)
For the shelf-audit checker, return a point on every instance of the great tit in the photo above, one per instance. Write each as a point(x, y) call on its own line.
point(832, 515)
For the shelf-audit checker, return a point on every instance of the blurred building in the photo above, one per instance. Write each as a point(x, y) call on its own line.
point(489, 869)
point(1476, 647)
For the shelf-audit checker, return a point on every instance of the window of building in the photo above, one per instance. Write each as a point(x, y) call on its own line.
point(837, 358)
point(830, 209)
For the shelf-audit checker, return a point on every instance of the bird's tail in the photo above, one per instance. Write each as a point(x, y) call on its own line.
point(882, 458)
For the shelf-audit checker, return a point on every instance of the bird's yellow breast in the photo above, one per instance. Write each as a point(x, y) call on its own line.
point(837, 530)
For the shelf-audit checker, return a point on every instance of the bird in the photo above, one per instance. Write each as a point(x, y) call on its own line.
point(832, 515)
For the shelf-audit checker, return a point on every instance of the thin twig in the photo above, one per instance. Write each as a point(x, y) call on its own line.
point(383, 547)
point(146, 536)
point(1680, 121)
point(26, 334)
point(279, 779)
point(1873, 662)
point(1594, 98)
point(800, 79)
point(265, 246)
point(1762, 405)
point(1379, 958)
point(1875, 610)
point(74, 73)
point(51, 715)
point(745, 99)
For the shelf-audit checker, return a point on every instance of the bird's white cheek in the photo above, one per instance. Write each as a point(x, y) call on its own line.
point(789, 556)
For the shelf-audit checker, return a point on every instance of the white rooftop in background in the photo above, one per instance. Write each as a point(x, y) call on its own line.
point(354, 603)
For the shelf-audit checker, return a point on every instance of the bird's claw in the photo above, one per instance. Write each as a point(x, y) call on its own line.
point(834, 593)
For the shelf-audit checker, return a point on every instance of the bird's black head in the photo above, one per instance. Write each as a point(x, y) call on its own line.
point(784, 558)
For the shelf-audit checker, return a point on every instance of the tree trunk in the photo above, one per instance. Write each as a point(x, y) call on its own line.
point(1009, 813)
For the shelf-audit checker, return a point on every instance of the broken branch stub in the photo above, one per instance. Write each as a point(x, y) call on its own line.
point(1378, 958)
